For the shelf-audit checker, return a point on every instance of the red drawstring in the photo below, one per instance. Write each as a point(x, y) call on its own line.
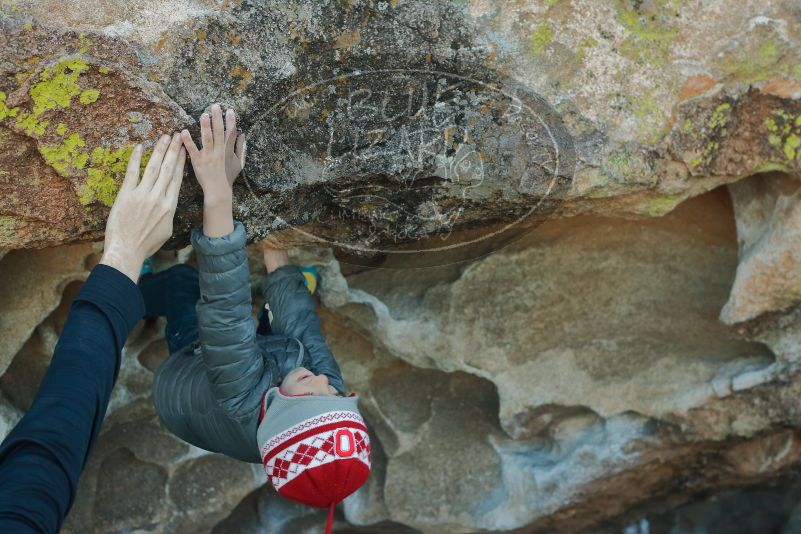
point(330, 519)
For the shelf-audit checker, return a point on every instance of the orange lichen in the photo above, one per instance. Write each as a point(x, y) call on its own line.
point(696, 85)
point(245, 77)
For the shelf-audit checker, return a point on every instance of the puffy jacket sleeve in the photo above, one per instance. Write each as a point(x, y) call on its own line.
point(226, 328)
point(295, 315)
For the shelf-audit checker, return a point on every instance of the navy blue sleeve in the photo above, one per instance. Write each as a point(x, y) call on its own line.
point(43, 456)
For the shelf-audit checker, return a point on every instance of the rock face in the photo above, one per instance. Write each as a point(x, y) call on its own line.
point(405, 119)
point(60, 93)
point(558, 244)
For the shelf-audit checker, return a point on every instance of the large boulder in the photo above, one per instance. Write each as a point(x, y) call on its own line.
point(555, 317)
point(377, 124)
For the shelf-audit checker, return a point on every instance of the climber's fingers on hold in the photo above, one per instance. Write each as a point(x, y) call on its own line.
point(230, 130)
point(178, 176)
point(191, 148)
point(132, 172)
point(205, 131)
point(154, 164)
point(239, 149)
point(218, 130)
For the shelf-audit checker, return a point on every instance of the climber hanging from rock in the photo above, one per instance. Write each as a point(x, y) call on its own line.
point(275, 394)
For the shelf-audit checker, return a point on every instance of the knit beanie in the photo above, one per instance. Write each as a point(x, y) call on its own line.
point(314, 448)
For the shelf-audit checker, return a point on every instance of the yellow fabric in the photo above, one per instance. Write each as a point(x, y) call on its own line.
point(311, 282)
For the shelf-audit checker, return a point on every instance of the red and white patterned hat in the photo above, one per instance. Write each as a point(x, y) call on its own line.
point(315, 449)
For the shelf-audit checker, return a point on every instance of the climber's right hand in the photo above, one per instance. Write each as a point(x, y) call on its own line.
point(216, 167)
point(140, 220)
point(222, 157)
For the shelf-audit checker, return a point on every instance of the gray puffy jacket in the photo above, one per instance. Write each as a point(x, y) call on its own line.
point(209, 393)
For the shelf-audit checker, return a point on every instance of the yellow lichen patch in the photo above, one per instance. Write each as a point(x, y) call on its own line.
point(650, 31)
point(660, 206)
point(84, 43)
point(581, 51)
point(99, 187)
point(100, 183)
point(784, 133)
point(6, 111)
point(720, 116)
point(106, 171)
point(755, 64)
point(652, 119)
point(57, 85)
point(791, 145)
point(61, 129)
point(30, 124)
point(541, 37)
point(89, 96)
point(103, 70)
point(67, 156)
point(55, 88)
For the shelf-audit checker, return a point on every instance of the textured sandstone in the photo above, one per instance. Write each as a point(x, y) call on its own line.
point(31, 285)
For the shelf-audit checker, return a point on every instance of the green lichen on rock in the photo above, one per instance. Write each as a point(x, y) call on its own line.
point(791, 145)
point(662, 205)
point(66, 157)
point(84, 43)
point(617, 165)
point(100, 187)
point(30, 124)
point(649, 32)
point(581, 51)
point(6, 111)
point(784, 133)
point(57, 85)
point(651, 118)
point(106, 171)
point(89, 96)
point(707, 128)
point(101, 183)
point(103, 70)
point(720, 116)
point(755, 64)
point(55, 88)
point(541, 37)
point(624, 165)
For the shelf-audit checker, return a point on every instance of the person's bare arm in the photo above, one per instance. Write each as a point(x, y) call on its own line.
point(44, 455)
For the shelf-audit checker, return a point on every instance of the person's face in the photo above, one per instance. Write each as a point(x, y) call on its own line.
point(301, 381)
